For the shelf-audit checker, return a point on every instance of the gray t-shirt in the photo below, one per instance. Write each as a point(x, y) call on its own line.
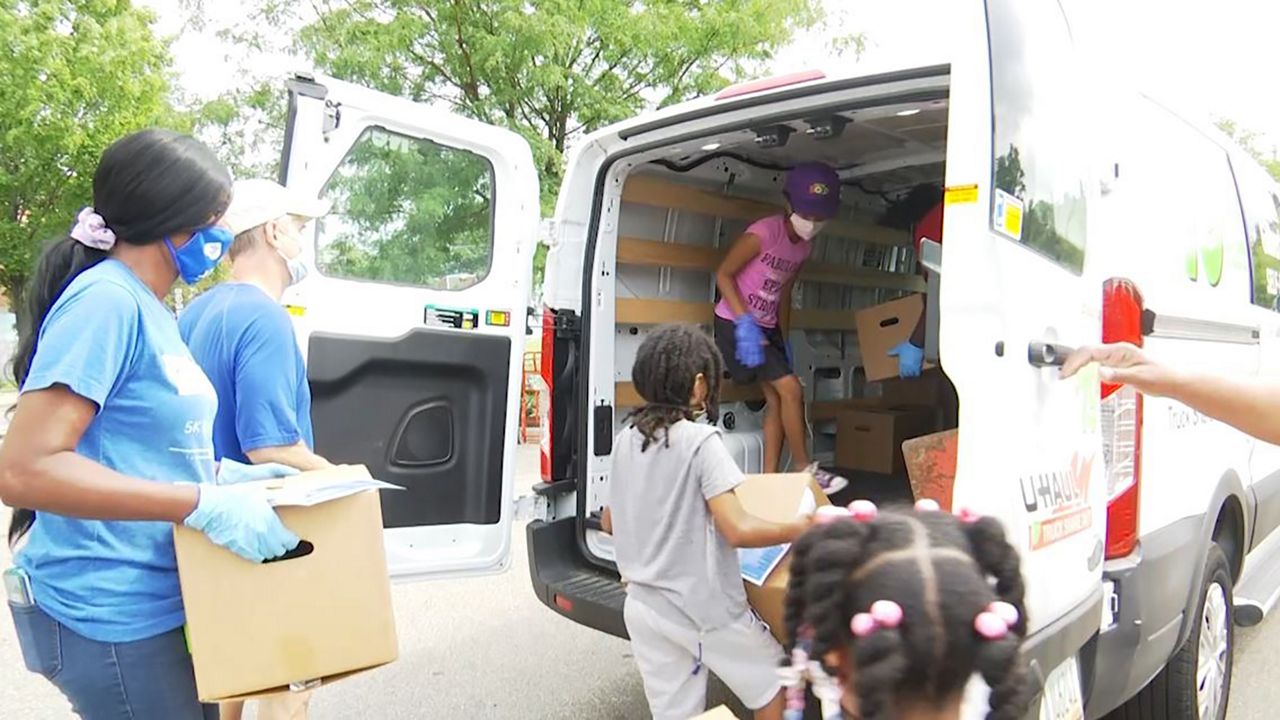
point(668, 550)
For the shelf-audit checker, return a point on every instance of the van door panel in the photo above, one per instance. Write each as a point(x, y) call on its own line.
point(413, 320)
point(1013, 279)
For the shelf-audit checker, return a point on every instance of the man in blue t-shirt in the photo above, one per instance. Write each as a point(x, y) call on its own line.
point(243, 339)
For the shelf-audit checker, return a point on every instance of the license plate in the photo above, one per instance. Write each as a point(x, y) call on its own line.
point(1062, 699)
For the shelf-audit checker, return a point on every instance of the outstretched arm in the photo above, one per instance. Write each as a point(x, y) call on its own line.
point(1249, 404)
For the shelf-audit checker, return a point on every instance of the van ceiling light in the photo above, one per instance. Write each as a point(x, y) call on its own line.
point(827, 128)
point(711, 146)
point(908, 112)
point(774, 136)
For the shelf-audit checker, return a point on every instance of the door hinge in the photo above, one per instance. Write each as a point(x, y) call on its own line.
point(533, 507)
point(332, 117)
point(567, 324)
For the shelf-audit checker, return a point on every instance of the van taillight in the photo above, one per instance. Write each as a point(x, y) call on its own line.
point(1121, 413)
point(547, 371)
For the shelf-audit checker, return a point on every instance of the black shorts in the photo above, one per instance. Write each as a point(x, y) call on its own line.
point(775, 365)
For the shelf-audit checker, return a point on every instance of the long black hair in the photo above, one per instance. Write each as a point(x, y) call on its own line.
point(943, 572)
point(666, 368)
point(148, 185)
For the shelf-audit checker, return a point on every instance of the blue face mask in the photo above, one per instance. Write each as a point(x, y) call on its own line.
point(201, 254)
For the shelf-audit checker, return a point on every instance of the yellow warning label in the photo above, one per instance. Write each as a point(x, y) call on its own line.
point(295, 310)
point(961, 194)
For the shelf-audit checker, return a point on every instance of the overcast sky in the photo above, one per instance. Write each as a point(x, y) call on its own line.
point(1213, 59)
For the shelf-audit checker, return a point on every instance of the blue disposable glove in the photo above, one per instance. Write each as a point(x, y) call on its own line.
point(231, 472)
point(749, 340)
point(910, 359)
point(241, 520)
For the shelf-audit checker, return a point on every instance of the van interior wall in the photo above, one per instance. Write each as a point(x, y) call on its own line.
point(674, 228)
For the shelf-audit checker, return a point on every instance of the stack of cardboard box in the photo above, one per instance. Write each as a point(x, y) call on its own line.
point(870, 431)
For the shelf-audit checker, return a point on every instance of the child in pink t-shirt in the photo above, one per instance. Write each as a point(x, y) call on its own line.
point(753, 315)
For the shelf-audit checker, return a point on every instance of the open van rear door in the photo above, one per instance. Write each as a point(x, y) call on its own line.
point(414, 320)
point(1014, 297)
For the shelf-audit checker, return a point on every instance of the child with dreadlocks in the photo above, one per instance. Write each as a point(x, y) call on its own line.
point(676, 522)
point(895, 611)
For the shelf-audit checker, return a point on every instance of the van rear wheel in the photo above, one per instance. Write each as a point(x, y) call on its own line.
point(1196, 683)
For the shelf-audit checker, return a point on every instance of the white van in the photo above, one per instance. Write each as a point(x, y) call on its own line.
point(414, 328)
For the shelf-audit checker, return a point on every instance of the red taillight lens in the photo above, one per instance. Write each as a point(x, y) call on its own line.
point(1121, 412)
point(547, 371)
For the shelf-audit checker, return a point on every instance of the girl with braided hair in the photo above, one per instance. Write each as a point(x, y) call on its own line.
point(675, 522)
point(895, 611)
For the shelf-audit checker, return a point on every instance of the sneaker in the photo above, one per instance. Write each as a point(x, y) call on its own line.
point(828, 481)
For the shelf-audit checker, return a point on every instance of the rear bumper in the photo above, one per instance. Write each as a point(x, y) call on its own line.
point(566, 583)
point(1064, 638)
point(1153, 587)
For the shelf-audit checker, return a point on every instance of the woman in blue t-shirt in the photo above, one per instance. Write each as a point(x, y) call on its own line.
point(111, 439)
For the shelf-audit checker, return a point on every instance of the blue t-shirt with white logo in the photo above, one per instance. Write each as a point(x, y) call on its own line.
point(110, 340)
point(244, 342)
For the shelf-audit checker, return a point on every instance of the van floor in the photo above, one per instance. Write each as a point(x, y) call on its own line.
point(879, 489)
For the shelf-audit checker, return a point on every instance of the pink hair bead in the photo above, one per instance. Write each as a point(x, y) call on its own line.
point(863, 510)
point(862, 625)
point(886, 613)
point(1006, 612)
point(990, 626)
point(828, 514)
point(966, 515)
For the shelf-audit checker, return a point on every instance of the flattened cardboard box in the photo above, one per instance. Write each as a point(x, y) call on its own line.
point(254, 629)
point(776, 498)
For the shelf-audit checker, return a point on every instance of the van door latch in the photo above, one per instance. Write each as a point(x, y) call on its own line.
point(1043, 354)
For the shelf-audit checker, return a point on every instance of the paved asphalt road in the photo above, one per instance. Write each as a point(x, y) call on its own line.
point(486, 648)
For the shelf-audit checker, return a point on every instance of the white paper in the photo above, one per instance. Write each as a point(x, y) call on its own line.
point(756, 564)
point(306, 494)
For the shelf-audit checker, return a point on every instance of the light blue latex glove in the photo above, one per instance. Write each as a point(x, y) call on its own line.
point(910, 359)
point(749, 340)
point(231, 472)
point(241, 520)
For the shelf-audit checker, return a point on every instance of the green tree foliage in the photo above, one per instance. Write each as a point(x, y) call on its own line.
point(391, 188)
point(75, 75)
point(547, 69)
point(1249, 139)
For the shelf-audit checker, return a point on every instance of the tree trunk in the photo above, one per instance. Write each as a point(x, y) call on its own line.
point(15, 294)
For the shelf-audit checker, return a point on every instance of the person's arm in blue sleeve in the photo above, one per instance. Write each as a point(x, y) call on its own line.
point(68, 382)
point(267, 384)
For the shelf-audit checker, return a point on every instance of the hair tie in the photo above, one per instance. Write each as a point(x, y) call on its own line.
point(91, 231)
point(927, 505)
point(996, 620)
point(883, 614)
point(967, 516)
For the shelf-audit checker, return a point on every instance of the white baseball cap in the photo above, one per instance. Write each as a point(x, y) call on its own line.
point(258, 201)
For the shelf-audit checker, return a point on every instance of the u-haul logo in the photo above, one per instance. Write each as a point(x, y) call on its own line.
point(1058, 502)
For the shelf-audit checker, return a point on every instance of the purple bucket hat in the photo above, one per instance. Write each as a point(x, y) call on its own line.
point(813, 189)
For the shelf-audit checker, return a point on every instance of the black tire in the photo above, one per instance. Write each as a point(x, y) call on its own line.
point(1173, 694)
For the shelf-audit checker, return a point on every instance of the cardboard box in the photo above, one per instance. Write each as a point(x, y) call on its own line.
point(883, 327)
point(255, 628)
point(923, 391)
point(871, 439)
point(776, 498)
